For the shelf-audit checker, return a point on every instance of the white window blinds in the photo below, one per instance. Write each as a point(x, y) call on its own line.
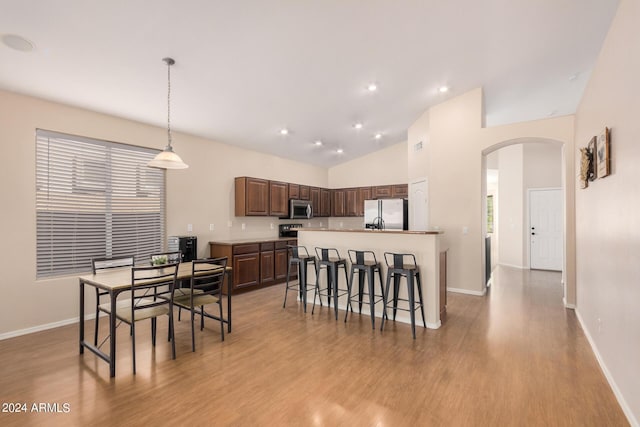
point(94, 199)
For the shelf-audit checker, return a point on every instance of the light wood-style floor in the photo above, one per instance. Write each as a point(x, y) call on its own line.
point(513, 358)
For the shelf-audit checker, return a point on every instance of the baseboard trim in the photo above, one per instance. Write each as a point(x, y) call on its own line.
point(519, 267)
point(567, 305)
point(616, 391)
point(44, 327)
point(468, 292)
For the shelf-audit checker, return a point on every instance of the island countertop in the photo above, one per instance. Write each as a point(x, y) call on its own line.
point(231, 242)
point(366, 230)
point(425, 245)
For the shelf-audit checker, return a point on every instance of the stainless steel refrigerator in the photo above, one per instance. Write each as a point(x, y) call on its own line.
point(386, 214)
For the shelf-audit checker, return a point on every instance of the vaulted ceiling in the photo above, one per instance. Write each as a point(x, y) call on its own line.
point(245, 70)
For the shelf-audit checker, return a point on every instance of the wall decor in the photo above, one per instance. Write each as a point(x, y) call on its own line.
point(592, 147)
point(603, 162)
point(586, 160)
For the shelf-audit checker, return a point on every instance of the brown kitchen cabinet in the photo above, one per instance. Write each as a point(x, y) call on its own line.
point(350, 201)
point(251, 196)
point(315, 200)
point(443, 286)
point(337, 202)
point(364, 193)
point(281, 260)
point(267, 263)
point(400, 191)
point(255, 264)
point(305, 192)
point(382, 192)
point(246, 265)
point(325, 202)
point(278, 198)
point(294, 191)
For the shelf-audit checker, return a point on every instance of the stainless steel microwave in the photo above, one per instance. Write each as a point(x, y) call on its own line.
point(300, 209)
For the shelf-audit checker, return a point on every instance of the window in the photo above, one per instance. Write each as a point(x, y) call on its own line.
point(94, 199)
point(490, 214)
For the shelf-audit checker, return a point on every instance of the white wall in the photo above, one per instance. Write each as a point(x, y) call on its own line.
point(385, 166)
point(607, 219)
point(457, 143)
point(200, 195)
point(511, 195)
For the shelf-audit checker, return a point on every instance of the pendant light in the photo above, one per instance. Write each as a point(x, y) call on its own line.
point(167, 159)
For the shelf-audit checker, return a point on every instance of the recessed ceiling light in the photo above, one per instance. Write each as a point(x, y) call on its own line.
point(372, 87)
point(284, 131)
point(443, 89)
point(378, 136)
point(573, 77)
point(552, 113)
point(358, 125)
point(318, 143)
point(339, 151)
point(17, 42)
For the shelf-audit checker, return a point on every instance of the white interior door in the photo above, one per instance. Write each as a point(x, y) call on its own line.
point(418, 205)
point(545, 228)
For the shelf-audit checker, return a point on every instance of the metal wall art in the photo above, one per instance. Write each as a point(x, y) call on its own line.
point(595, 159)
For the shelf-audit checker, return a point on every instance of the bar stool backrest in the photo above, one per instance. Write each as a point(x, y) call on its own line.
point(298, 251)
point(400, 261)
point(327, 254)
point(360, 257)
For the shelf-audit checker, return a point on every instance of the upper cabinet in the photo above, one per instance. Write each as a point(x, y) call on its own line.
point(351, 202)
point(305, 192)
point(364, 193)
point(315, 200)
point(278, 198)
point(337, 203)
point(294, 191)
point(382, 192)
point(252, 196)
point(390, 191)
point(261, 197)
point(400, 191)
point(325, 202)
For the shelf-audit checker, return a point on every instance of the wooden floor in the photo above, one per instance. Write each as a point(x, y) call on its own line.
point(513, 358)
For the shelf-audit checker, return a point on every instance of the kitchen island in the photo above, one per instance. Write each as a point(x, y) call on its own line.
point(425, 245)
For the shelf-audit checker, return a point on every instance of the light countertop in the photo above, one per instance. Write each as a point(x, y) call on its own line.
point(363, 230)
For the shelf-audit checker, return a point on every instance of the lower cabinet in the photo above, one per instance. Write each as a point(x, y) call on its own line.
point(258, 264)
point(267, 272)
point(246, 270)
point(281, 258)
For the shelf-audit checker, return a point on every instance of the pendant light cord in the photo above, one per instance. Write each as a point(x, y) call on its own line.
point(169, 63)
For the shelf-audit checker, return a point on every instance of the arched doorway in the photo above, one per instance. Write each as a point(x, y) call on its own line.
point(517, 233)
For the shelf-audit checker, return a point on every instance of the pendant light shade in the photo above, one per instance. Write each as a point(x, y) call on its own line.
point(167, 159)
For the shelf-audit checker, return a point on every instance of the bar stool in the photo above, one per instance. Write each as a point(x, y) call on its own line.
point(301, 259)
point(403, 265)
point(329, 258)
point(365, 264)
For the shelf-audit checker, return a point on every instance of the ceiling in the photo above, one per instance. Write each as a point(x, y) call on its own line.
point(246, 69)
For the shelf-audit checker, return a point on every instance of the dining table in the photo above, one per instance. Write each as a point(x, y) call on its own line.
point(117, 280)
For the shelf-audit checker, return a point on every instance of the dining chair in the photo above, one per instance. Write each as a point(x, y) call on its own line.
point(101, 264)
point(151, 296)
point(206, 284)
point(157, 258)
